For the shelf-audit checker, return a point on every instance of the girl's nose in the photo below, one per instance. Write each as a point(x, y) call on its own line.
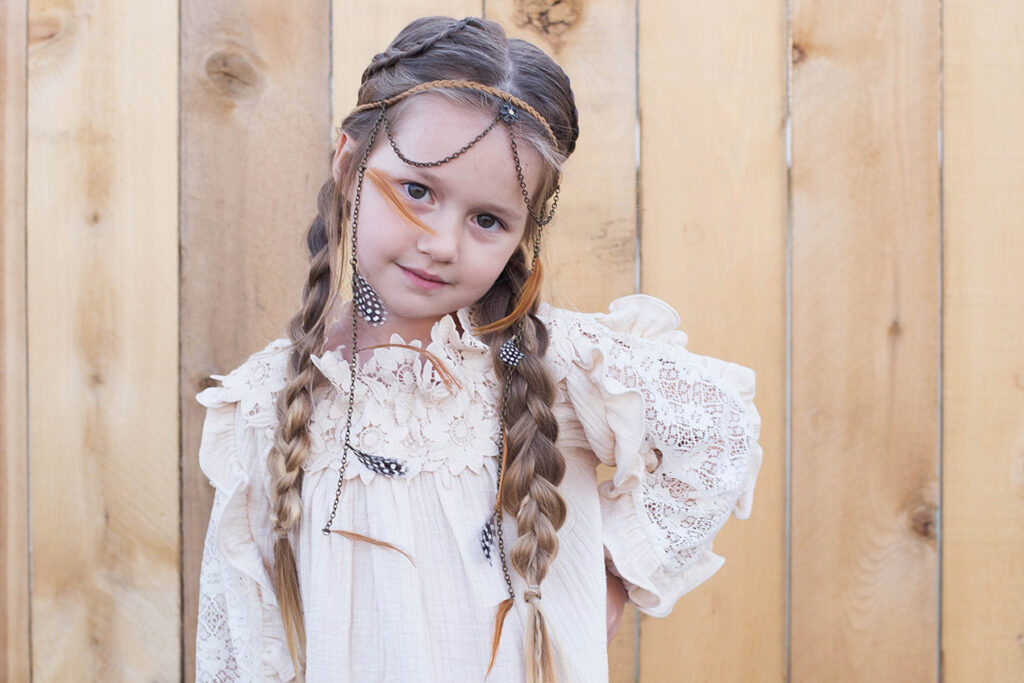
point(443, 246)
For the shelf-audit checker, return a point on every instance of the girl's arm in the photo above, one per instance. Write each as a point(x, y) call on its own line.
point(616, 602)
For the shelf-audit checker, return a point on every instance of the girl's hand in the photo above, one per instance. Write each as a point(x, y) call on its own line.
point(616, 603)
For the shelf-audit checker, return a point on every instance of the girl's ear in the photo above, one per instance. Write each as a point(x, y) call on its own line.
point(341, 155)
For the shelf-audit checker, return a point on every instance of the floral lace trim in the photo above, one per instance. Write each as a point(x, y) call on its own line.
point(402, 404)
point(228, 643)
point(699, 427)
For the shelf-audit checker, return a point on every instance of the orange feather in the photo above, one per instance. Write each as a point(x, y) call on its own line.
point(366, 539)
point(442, 370)
point(499, 624)
point(383, 183)
point(529, 295)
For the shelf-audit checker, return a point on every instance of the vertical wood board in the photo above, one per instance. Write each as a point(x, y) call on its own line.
point(983, 354)
point(865, 239)
point(713, 240)
point(14, 552)
point(102, 332)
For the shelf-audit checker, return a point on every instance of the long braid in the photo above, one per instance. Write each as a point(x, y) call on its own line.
point(294, 407)
point(536, 466)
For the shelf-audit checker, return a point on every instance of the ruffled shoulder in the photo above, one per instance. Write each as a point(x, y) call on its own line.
point(253, 384)
point(680, 430)
point(605, 351)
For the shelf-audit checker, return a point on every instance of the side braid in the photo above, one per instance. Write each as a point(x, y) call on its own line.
point(384, 60)
point(536, 466)
point(291, 445)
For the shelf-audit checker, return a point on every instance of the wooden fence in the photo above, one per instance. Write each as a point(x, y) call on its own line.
point(829, 192)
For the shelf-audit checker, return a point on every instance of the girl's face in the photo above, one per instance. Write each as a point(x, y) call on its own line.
point(473, 204)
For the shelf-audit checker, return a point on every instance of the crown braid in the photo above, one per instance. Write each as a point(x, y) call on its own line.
point(391, 56)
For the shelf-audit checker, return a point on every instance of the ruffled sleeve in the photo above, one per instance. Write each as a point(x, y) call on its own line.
point(239, 635)
point(681, 431)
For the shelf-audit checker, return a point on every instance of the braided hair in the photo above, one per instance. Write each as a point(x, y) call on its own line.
point(430, 49)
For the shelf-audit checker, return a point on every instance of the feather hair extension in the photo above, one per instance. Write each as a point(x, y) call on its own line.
point(446, 375)
point(366, 539)
point(381, 180)
point(499, 623)
point(529, 296)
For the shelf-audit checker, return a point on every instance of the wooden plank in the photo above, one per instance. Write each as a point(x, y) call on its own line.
point(14, 562)
point(590, 247)
point(102, 330)
point(983, 380)
point(865, 241)
point(256, 124)
point(713, 244)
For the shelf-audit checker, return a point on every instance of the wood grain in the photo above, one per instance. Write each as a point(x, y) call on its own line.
point(713, 244)
point(865, 222)
point(14, 551)
point(983, 351)
point(102, 329)
point(255, 80)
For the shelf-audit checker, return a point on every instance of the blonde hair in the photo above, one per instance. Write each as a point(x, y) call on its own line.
point(430, 49)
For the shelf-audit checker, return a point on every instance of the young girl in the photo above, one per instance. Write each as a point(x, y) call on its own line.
point(405, 485)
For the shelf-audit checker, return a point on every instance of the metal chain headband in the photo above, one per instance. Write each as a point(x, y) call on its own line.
point(465, 85)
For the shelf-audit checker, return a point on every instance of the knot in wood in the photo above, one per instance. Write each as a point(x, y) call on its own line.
point(551, 17)
point(922, 520)
point(233, 74)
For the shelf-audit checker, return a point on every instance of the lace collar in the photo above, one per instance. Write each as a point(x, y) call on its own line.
point(464, 354)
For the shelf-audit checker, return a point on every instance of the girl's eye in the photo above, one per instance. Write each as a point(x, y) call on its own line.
point(487, 221)
point(415, 190)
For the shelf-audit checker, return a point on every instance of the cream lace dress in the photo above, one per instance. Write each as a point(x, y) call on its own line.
point(680, 429)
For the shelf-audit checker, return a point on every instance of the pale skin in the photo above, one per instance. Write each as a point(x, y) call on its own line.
point(473, 206)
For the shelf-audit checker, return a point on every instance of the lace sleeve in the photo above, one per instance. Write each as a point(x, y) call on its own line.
point(681, 431)
point(227, 635)
point(239, 636)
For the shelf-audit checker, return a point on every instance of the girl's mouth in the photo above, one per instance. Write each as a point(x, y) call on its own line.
point(422, 279)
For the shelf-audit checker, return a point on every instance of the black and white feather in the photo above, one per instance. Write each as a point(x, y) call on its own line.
point(509, 353)
point(383, 466)
point(368, 302)
point(487, 535)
